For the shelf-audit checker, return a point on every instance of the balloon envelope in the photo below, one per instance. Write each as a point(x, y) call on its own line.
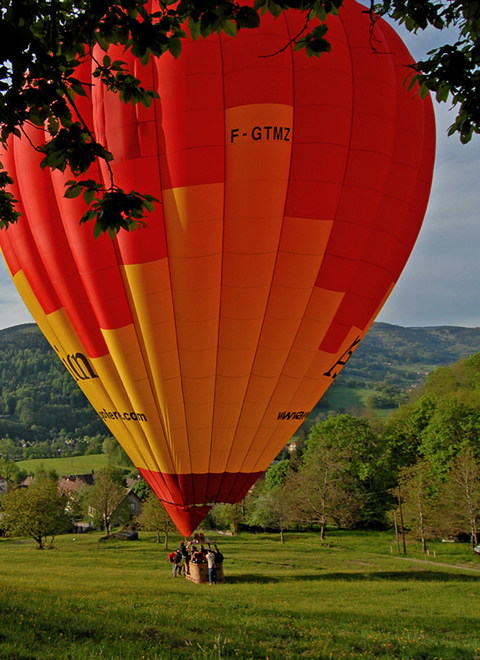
point(291, 193)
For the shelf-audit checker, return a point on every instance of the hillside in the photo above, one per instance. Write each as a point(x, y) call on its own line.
point(398, 348)
point(392, 360)
point(42, 410)
point(44, 413)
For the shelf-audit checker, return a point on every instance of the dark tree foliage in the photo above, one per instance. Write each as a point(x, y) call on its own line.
point(38, 511)
point(43, 43)
point(43, 413)
point(452, 70)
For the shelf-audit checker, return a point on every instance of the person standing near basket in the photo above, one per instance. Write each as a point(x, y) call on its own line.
point(212, 568)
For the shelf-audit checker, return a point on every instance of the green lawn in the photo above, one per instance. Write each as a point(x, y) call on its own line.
point(350, 598)
point(67, 465)
point(346, 397)
point(349, 398)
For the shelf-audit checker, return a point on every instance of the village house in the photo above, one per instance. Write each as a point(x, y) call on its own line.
point(129, 507)
point(73, 482)
point(69, 485)
point(27, 481)
point(134, 503)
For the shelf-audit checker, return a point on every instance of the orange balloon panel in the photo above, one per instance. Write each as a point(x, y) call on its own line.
point(291, 194)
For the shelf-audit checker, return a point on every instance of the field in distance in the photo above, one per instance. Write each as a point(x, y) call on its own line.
point(66, 465)
point(351, 597)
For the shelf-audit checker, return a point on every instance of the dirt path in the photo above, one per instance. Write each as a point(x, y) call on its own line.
point(438, 563)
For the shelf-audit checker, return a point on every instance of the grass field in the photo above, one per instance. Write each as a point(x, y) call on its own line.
point(343, 398)
point(67, 465)
point(350, 598)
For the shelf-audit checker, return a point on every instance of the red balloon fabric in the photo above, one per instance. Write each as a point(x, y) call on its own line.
point(291, 193)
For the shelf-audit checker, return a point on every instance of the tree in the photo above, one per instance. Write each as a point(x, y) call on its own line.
point(403, 431)
point(228, 516)
point(95, 445)
point(344, 455)
point(454, 426)
point(106, 494)
point(460, 496)
point(323, 490)
point(25, 410)
point(75, 502)
point(38, 511)
point(276, 474)
point(45, 45)
point(418, 494)
point(9, 470)
point(274, 508)
point(116, 453)
point(42, 473)
point(154, 518)
point(452, 70)
point(336, 482)
point(442, 418)
point(141, 489)
point(8, 451)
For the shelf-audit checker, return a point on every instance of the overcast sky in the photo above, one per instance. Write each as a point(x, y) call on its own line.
point(440, 283)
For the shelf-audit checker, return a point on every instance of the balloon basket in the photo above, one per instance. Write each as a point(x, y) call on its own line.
point(199, 573)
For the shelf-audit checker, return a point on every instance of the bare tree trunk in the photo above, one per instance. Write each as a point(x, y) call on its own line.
point(323, 529)
point(473, 534)
point(471, 512)
point(422, 532)
point(421, 523)
point(282, 536)
point(165, 545)
point(401, 520)
point(397, 540)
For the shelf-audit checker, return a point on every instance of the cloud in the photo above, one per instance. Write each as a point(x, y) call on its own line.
point(12, 308)
point(440, 282)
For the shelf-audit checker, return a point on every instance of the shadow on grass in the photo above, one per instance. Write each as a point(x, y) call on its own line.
point(396, 576)
point(249, 578)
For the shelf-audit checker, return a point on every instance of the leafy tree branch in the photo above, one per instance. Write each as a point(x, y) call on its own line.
point(45, 43)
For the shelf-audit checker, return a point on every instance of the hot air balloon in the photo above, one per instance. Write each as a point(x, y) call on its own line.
point(291, 194)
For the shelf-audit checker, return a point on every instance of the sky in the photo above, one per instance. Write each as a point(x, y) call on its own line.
point(441, 281)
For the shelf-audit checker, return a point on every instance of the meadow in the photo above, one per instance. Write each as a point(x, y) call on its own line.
point(352, 597)
point(67, 464)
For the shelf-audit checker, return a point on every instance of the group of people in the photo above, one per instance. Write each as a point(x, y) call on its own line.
point(192, 553)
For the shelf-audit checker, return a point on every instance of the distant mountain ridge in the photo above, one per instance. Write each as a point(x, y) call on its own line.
point(391, 360)
point(38, 397)
point(435, 344)
point(398, 347)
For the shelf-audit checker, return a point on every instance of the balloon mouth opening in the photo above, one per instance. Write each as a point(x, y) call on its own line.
point(186, 518)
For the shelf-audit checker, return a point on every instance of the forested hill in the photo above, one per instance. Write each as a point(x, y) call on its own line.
point(435, 345)
point(392, 360)
point(391, 349)
point(40, 403)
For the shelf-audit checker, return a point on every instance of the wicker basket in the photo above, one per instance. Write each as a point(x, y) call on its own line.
point(199, 573)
